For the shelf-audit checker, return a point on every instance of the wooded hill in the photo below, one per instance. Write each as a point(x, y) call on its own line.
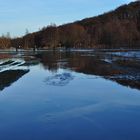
point(116, 29)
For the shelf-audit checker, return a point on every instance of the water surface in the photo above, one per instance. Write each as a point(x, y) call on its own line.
point(69, 96)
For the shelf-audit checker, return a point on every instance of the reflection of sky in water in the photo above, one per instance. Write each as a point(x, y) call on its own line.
point(85, 107)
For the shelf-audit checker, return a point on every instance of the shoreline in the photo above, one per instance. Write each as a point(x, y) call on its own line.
point(67, 50)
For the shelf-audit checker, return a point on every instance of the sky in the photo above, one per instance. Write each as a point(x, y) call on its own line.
point(18, 15)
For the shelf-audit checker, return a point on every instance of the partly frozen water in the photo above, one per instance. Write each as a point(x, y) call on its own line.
point(68, 96)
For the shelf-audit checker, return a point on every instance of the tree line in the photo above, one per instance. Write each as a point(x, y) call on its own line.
point(5, 41)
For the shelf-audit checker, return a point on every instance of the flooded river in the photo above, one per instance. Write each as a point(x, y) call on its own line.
point(77, 95)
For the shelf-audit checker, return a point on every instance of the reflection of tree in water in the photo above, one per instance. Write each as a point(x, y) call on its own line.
point(126, 73)
point(10, 76)
point(49, 61)
point(94, 64)
point(127, 80)
point(52, 61)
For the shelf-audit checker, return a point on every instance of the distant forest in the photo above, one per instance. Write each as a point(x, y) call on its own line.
point(116, 29)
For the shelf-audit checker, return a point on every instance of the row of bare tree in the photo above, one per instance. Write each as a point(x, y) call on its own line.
point(5, 41)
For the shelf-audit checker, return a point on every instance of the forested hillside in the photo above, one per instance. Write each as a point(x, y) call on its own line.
point(116, 29)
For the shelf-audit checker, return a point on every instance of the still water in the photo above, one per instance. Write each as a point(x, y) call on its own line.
point(69, 96)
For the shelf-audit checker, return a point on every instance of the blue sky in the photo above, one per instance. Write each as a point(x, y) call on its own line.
point(17, 15)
